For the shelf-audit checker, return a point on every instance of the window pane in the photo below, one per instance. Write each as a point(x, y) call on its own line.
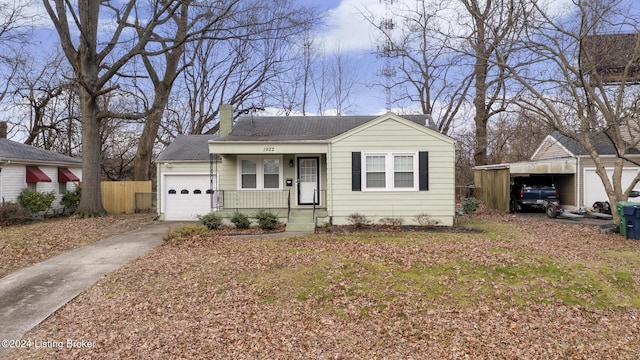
point(375, 176)
point(249, 181)
point(271, 181)
point(375, 180)
point(272, 166)
point(249, 177)
point(248, 166)
point(403, 171)
point(271, 173)
point(403, 163)
point(375, 163)
point(403, 180)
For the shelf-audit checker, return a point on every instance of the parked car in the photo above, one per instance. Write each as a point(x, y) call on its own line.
point(528, 197)
point(605, 208)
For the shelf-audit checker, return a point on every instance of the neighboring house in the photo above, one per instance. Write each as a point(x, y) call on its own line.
point(564, 163)
point(25, 166)
point(315, 170)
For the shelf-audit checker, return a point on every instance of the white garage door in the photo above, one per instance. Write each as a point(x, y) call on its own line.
point(593, 188)
point(187, 196)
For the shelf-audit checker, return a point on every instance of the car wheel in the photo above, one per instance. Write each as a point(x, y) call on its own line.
point(551, 211)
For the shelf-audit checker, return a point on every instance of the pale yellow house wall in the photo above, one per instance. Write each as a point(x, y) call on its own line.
point(438, 202)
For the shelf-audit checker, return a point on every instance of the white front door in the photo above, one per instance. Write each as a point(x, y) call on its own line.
point(308, 180)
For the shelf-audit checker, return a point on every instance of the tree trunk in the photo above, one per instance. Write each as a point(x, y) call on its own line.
point(481, 117)
point(87, 66)
point(91, 200)
point(144, 153)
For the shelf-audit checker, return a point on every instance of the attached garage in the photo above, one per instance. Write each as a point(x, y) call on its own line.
point(188, 195)
point(187, 179)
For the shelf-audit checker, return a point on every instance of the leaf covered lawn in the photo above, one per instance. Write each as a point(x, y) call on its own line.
point(520, 289)
point(24, 245)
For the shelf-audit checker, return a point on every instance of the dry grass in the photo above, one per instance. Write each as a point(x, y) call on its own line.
point(519, 289)
point(24, 245)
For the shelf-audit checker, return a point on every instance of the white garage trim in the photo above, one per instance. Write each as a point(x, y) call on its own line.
point(189, 197)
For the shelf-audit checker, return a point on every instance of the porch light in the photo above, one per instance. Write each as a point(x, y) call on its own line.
point(290, 163)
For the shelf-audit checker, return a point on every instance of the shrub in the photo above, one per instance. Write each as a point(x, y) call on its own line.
point(240, 220)
point(71, 199)
point(13, 214)
point(425, 220)
point(358, 220)
point(35, 201)
point(470, 205)
point(211, 220)
point(267, 220)
point(392, 222)
point(178, 235)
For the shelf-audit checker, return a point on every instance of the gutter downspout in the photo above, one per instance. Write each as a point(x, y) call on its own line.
point(329, 167)
point(7, 162)
point(578, 181)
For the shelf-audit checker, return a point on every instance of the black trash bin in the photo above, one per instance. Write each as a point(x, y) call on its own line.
point(632, 221)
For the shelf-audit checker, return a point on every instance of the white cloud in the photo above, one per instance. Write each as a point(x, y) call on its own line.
point(346, 26)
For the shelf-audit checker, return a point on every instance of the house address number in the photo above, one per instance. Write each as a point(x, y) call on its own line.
point(269, 149)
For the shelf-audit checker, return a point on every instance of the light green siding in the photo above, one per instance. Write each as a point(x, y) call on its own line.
point(230, 182)
point(392, 134)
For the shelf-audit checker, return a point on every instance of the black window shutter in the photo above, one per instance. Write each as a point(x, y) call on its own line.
point(356, 172)
point(423, 171)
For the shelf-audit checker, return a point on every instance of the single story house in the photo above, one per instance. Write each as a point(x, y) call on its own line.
point(25, 166)
point(558, 161)
point(312, 170)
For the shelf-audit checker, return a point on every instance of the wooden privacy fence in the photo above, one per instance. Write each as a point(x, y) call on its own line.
point(119, 197)
point(493, 187)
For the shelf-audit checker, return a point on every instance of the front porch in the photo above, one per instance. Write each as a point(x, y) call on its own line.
point(279, 202)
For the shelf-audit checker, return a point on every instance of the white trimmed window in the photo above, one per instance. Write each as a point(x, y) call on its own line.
point(260, 173)
point(390, 171)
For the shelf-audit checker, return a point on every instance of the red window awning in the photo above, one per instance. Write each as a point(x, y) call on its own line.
point(65, 175)
point(35, 175)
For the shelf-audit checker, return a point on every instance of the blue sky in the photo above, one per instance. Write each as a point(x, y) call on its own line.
point(345, 32)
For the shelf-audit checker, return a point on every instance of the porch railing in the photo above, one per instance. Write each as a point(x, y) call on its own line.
point(319, 200)
point(261, 199)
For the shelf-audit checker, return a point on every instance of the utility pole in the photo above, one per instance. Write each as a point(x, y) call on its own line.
point(387, 51)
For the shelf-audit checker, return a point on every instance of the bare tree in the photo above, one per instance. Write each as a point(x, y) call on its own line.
point(426, 69)
point(494, 28)
point(14, 31)
point(100, 58)
point(119, 139)
point(41, 94)
point(227, 61)
point(235, 64)
point(582, 81)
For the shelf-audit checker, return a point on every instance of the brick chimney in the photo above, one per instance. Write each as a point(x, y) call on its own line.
point(3, 129)
point(226, 119)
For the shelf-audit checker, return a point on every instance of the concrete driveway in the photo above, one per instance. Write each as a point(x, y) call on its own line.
point(30, 295)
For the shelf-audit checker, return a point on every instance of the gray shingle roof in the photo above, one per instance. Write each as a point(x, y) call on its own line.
point(300, 128)
point(15, 151)
point(187, 148)
point(602, 144)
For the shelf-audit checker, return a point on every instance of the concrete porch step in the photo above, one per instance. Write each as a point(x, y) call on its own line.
point(300, 227)
point(300, 220)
